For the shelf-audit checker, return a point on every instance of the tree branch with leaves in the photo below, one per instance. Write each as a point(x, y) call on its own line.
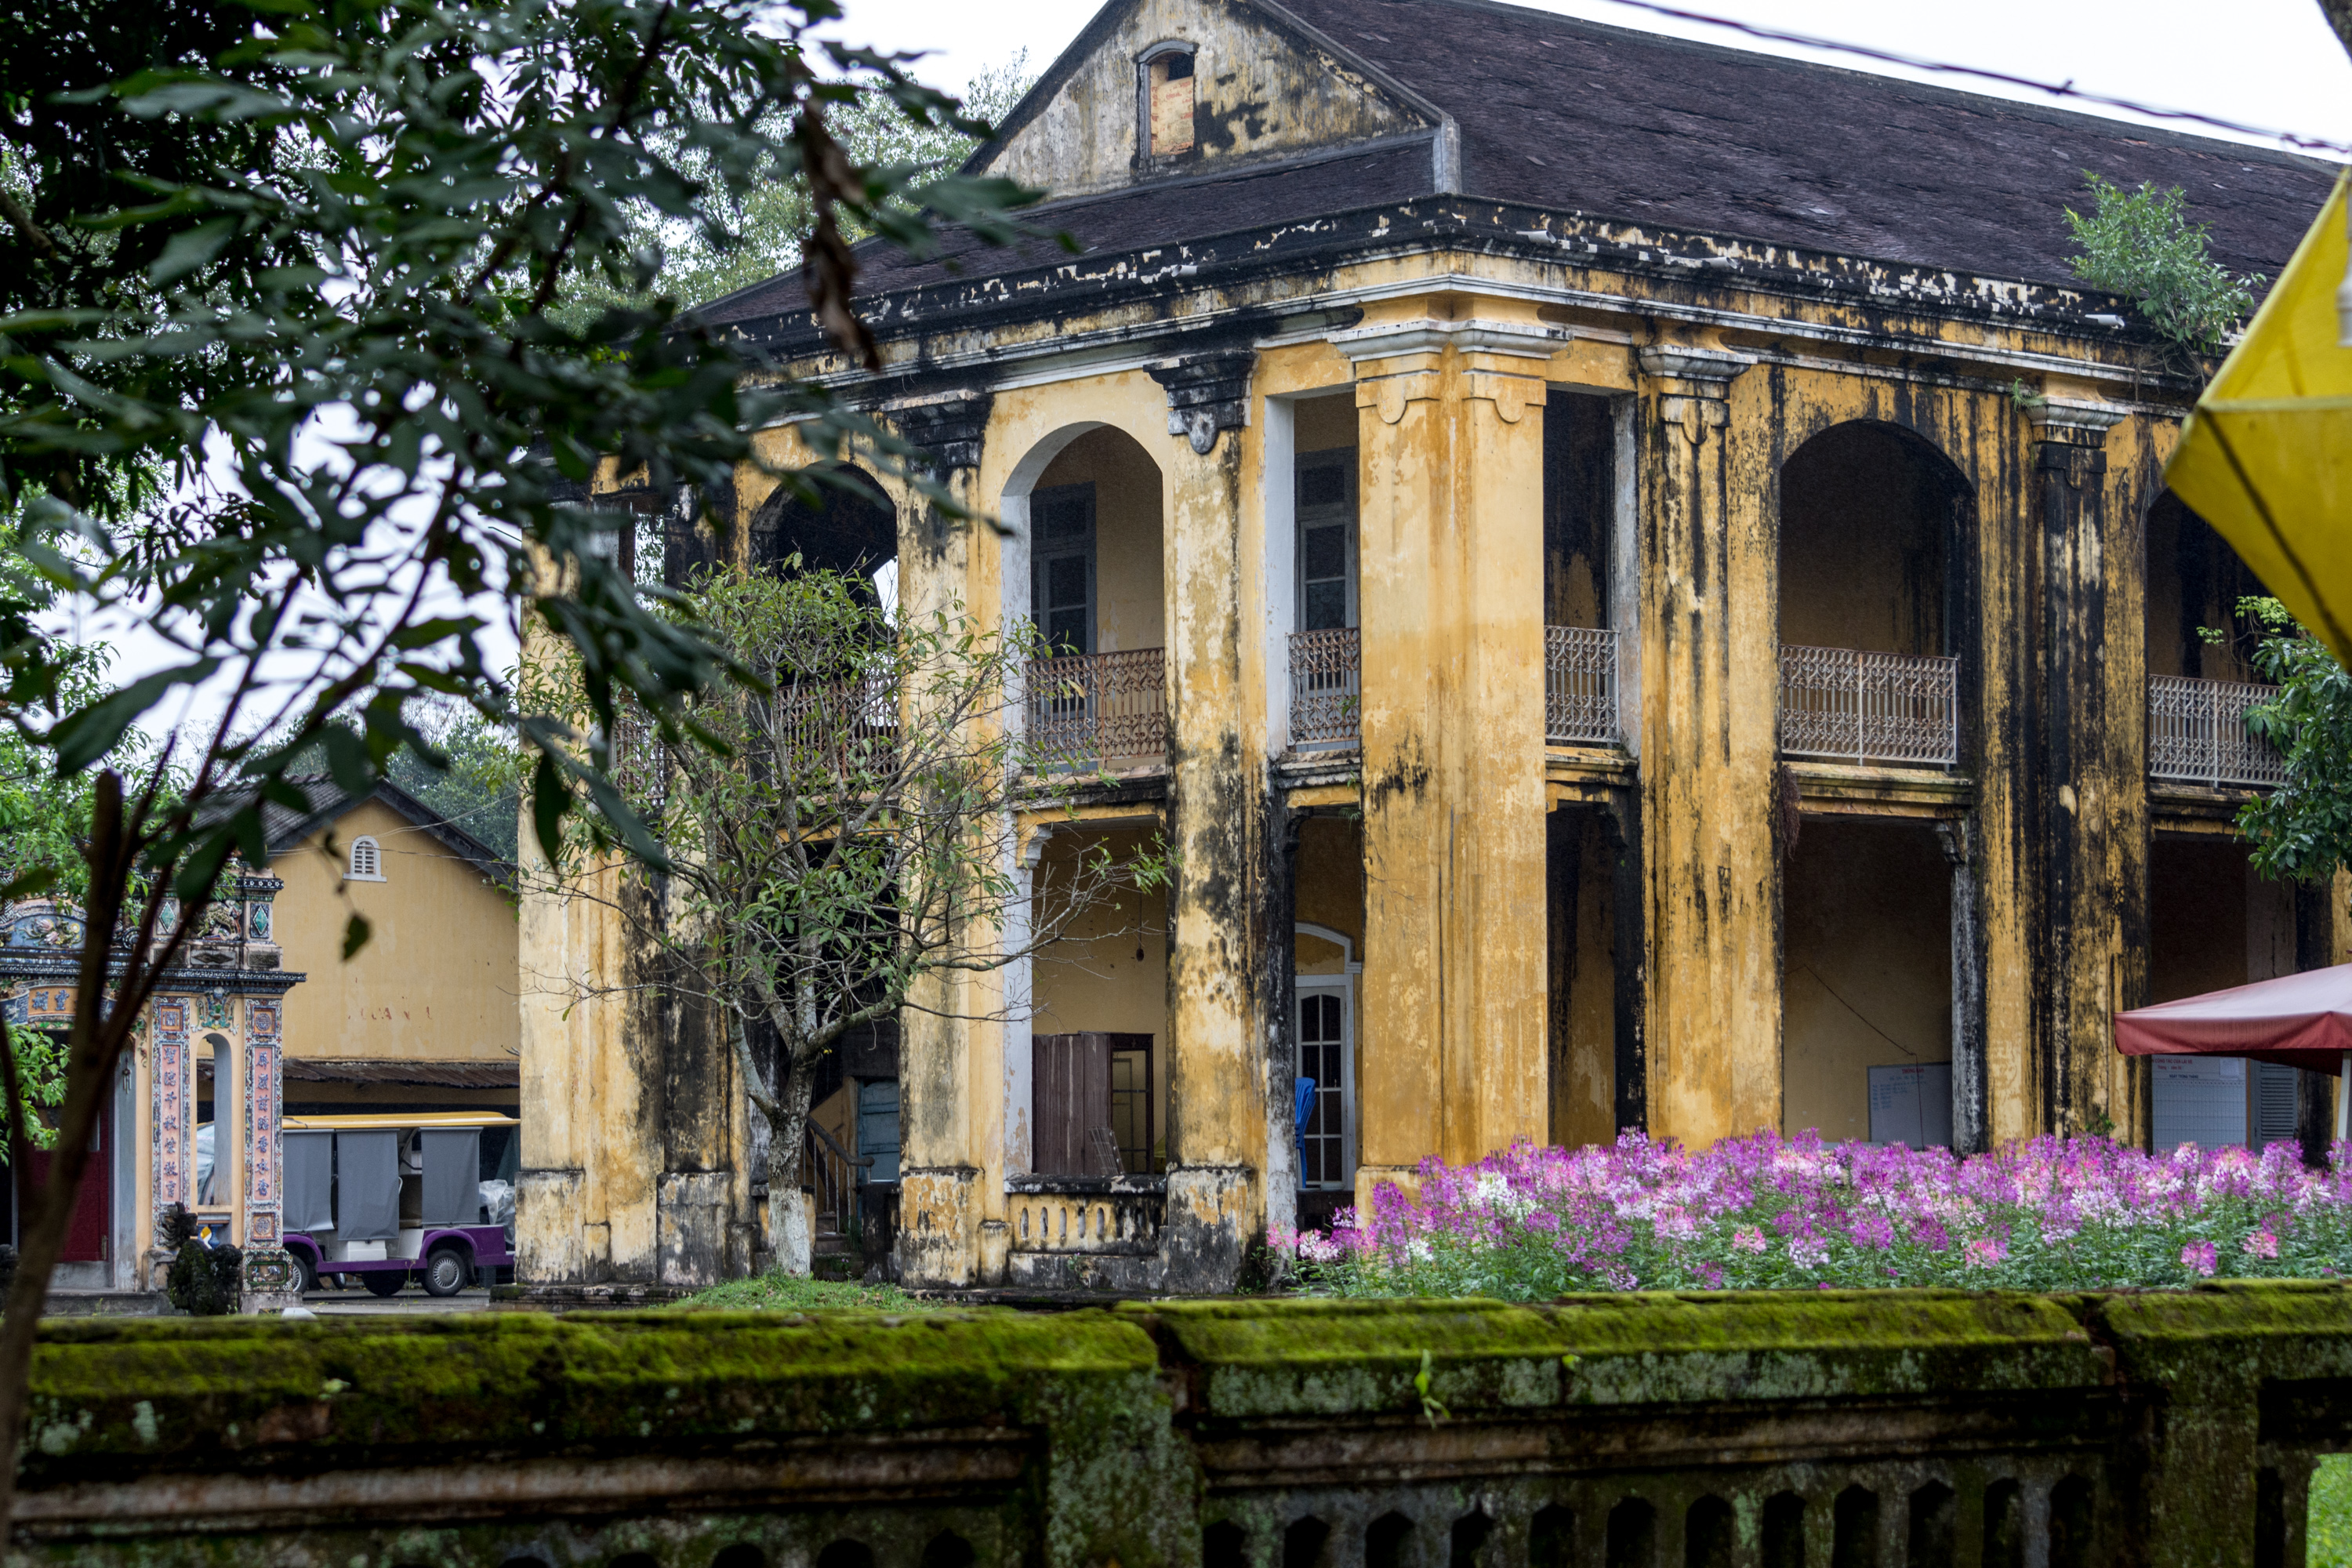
point(286, 383)
point(848, 845)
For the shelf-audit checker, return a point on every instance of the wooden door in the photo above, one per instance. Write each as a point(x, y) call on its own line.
point(1070, 1095)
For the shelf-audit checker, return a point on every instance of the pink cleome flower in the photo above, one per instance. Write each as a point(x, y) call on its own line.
point(2262, 1244)
point(1984, 1252)
point(2200, 1257)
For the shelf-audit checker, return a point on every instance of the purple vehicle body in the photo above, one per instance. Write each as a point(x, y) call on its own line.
point(473, 1248)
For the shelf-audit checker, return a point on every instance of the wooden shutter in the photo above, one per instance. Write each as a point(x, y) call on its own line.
point(1069, 1093)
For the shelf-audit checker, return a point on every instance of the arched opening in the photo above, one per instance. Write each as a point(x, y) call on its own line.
point(1931, 1539)
point(1084, 566)
point(1872, 524)
point(1708, 1534)
point(2213, 922)
point(1784, 1531)
point(1166, 89)
point(1853, 1528)
point(1632, 1535)
point(845, 525)
point(1875, 526)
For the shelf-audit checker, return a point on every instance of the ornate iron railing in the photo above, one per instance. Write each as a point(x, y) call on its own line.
point(1326, 689)
point(1849, 706)
point(1098, 711)
point(1580, 687)
point(842, 727)
point(2197, 733)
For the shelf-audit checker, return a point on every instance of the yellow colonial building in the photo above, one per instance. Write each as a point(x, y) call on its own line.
point(1634, 584)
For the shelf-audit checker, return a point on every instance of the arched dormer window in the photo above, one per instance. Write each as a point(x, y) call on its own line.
point(367, 861)
point(1167, 93)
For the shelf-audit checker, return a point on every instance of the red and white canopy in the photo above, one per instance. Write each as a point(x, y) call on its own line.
point(2296, 1020)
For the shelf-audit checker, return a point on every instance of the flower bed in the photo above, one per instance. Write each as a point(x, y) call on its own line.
point(1773, 1213)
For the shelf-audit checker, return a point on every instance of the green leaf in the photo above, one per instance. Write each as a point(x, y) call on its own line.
point(186, 252)
point(355, 935)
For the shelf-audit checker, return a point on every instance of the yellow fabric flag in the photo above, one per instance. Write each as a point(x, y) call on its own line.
point(2266, 457)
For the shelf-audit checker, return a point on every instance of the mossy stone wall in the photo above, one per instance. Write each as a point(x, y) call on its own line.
point(1756, 1430)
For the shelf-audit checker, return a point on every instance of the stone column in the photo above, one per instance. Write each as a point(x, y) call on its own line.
point(1450, 584)
point(270, 1283)
point(1709, 694)
point(1971, 1088)
point(172, 1153)
point(2084, 864)
point(1217, 995)
point(951, 1083)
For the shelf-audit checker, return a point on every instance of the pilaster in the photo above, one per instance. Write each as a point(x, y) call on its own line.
point(952, 1069)
point(2081, 853)
point(1709, 693)
point(1453, 1053)
point(1219, 1016)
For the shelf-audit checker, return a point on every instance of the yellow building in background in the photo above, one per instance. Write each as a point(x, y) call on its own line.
point(1634, 583)
point(425, 1017)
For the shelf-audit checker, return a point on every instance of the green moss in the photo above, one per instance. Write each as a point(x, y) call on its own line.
point(159, 1388)
point(2330, 1543)
point(782, 1292)
point(1335, 1356)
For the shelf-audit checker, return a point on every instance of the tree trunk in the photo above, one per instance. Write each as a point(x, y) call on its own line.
point(2339, 16)
point(790, 1234)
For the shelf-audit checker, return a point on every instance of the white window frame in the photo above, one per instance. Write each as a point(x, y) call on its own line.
point(1324, 515)
point(374, 852)
point(1343, 985)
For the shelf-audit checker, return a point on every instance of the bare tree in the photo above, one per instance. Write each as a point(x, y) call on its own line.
point(846, 843)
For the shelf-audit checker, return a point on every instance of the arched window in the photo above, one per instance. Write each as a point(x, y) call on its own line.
point(367, 861)
point(1168, 101)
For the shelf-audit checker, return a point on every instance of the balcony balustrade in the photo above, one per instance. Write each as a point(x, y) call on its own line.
point(1099, 712)
point(1326, 691)
point(2197, 733)
point(1843, 705)
point(1580, 687)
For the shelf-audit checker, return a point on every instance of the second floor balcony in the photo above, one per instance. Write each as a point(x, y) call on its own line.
point(1581, 689)
point(2197, 733)
point(1848, 705)
point(1098, 713)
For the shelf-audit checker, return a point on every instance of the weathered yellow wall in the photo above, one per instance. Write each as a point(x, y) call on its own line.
point(1259, 91)
point(1092, 979)
point(1130, 592)
point(1868, 977)
point(1450, 585)
point(438, 977)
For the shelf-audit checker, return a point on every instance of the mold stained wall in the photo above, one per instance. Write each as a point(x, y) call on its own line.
point(1258, 91)
point(1130, 577)
point(1868, 982)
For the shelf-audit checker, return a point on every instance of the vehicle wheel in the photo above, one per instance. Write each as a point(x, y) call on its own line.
point(306, 1274)
point(383, 1281)
point(446, 1272)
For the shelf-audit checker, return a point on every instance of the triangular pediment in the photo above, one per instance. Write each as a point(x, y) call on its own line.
point(1265, 87)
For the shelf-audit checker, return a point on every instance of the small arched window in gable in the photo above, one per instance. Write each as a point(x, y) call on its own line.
point(367, 861)
point(1167, 102)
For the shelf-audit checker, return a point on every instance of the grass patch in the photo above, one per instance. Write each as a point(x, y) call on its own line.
point(2330, 1542)
point(783, 1293)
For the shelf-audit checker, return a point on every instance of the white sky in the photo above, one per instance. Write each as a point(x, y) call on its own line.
point(2272, 63)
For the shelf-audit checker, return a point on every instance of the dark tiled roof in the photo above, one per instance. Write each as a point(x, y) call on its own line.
point(1572, 115)
point(1134, 219)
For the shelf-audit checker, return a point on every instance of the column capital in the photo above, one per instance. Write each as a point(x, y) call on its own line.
point(2067, 422)
point(1692, 371)
point(1208, 394)
point(1427, 335)
point(950, 429)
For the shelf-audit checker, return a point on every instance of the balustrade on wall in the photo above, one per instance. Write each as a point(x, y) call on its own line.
point(2197, 733)
point(1581, 689)
point(1099, 712)
point(1848, 705)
